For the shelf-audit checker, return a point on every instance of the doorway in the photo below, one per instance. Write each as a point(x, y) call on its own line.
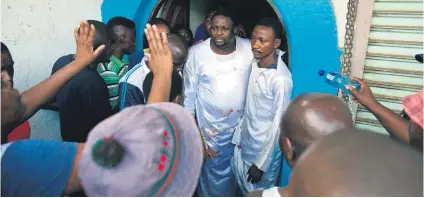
point(311, 34)
point(191, 13)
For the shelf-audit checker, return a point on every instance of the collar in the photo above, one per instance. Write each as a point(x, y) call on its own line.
point(116, 61)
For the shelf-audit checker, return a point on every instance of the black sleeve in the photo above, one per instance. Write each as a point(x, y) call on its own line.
point(132, 96)
point(96, 102)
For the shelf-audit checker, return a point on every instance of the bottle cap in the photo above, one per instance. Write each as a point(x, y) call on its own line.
point(107, 153)
point(321, 72)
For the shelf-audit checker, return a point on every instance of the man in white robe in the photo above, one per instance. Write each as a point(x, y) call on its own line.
point(215, 85)
point(257, 157)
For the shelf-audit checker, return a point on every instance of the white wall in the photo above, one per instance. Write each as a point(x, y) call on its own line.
point(37, 33)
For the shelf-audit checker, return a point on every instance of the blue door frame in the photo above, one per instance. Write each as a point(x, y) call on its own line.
point(312, 37)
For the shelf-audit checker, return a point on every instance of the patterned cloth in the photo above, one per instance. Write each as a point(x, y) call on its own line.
point(413, 106)
point(111, 73)
point(159, 155)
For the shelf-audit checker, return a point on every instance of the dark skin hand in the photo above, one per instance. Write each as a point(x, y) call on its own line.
point(255, 174)
point(394, 124)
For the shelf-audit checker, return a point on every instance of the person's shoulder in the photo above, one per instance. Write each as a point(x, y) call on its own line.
point(245, 45)
point(37, 167)
point(244, 42)
point(199, 46)
point(62, 62)
point(136, 75)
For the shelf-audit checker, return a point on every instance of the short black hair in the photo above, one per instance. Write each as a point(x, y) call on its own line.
point(101, 33)
point(176, 86)
point(116, 22)
point(274, 24)
point(226, 13)
point(159, 21)
point(4, 48)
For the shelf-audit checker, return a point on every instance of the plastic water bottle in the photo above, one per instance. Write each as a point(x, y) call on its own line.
point(339, 81)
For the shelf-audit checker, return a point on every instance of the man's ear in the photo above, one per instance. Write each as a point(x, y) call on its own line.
point(288, 150)
point(121, 39)
point(277, 43)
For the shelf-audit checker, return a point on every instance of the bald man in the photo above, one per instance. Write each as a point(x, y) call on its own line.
point(131, 85)
point(308, 118)
point(353, 163)
point(358, 163)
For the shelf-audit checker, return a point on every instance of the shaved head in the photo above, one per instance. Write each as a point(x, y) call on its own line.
point(358, 163)
point(179, 49)
point(308, 118)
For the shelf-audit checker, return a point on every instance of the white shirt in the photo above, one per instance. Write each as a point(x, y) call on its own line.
point(215, 88)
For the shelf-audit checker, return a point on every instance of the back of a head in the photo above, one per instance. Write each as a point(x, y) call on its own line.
point(310, 117)
point(179, 49)
point(176, 86)
point(159, 21)
point(358, 163)
point(272, 23)
point(101, 37)
point(4, 49)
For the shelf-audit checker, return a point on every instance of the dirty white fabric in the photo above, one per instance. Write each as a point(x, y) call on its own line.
point(272, 192)
point(215, 88)
point(268, 96)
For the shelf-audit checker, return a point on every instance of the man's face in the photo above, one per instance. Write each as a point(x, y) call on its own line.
point(208, 22)
point(7, 64)
point(128, 41)
point(12, 108)
point(263, 42)
point(222, 31)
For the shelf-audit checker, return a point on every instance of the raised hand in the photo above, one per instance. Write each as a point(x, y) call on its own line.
point(84, 39)
point(364, 96)
point(255, 174)
point(160, 57)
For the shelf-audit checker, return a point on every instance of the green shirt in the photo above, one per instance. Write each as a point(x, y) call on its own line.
point(112, 72)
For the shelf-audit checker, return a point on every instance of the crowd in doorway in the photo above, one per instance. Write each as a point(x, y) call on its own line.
point(208, 115)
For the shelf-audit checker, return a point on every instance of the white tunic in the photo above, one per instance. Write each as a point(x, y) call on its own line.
point(215, 88)
point(268, 96)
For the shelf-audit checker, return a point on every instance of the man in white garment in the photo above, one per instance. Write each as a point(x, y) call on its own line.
point(215, 85)
point(257, 158)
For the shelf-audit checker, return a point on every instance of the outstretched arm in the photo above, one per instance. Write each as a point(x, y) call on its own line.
point(394, 124)
point(43, 92)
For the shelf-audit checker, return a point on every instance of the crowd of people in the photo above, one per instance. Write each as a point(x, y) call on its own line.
point(208, 116)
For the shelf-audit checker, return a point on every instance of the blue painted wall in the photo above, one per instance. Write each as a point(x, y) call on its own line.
point(311, 30)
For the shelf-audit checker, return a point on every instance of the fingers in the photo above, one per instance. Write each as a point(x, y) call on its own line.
point(91, 35)
point(76, 34)
point(249, 178)
point(158, 38)
point(164, 41)
point(151, 39)
point(86, 31)
point(352, 90)
point(99, 50)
